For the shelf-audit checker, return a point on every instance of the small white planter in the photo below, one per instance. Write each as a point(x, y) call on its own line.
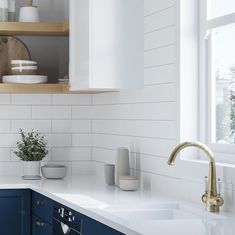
point(31, 170)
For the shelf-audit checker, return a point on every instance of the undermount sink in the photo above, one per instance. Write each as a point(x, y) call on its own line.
point(169, 211)
point(163, 214)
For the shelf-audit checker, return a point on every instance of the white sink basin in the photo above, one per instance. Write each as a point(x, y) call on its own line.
point(165, 211)
point(162, 214)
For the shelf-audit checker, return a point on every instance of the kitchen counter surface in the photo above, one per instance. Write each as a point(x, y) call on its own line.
point(120, 210)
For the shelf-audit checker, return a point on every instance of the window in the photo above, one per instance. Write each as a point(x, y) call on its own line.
point(218, 73)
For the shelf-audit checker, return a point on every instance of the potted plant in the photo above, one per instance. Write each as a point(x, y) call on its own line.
point(31, 150)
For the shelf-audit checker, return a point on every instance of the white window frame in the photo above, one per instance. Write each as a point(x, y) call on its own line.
point(224, 153)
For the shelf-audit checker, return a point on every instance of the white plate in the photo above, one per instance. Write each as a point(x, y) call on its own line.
point(29, 177)
point(24, 79)
point(14, 62)
point(25, 68)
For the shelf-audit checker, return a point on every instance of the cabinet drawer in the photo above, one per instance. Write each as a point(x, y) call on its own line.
point(40, 227)
point(42, 207)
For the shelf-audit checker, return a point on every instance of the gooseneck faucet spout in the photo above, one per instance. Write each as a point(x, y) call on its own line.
point(211, 198)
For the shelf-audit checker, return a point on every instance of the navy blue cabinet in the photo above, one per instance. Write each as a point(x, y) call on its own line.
point(93, 227)
point(42, 211)
point(15, 212)
point(40, 226)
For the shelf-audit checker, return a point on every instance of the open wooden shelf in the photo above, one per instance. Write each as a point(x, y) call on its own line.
point(34, 29)
point(33, 88)
point(46, 88)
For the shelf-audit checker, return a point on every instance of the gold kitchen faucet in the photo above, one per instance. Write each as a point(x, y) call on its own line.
point(211, 198)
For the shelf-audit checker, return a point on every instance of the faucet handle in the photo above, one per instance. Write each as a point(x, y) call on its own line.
point(219, 186)
point(206, 184)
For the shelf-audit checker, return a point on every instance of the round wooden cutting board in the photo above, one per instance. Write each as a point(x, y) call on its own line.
point(11, 48)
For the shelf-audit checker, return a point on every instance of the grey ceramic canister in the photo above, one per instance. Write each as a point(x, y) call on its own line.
point(122, 164)
point(109, 171)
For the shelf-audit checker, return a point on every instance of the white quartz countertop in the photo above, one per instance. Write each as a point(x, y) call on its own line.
point(106, 204)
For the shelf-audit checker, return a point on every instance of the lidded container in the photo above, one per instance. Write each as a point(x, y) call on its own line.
point(3, 10)
point(122, 167)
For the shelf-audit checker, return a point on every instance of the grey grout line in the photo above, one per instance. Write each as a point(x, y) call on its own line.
point(159, 11)
point(159, 29)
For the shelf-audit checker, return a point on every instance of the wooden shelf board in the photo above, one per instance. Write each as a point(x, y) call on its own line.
point(33, 88)
point(34, 29)
point(46, 88)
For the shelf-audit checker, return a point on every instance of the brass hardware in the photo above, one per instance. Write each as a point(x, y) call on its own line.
point(211, 198)
point(39, 223)
point(39, 203)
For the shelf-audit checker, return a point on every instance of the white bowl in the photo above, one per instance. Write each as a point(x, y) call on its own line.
point(54, 171)
point(23, 62)
point(128, 183)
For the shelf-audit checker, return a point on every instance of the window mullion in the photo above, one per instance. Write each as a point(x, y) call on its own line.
point(220, 21)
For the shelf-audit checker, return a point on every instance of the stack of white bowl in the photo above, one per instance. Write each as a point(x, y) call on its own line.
point(24, 67)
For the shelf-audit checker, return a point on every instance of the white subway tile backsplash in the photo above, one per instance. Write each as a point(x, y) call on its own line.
point(157, 147)
point(31, 99)
point(154, 93)
point(43, 126)
point(81, 140)
point(51, 112)
point(71, 154)
point(8, 140)
point(103, 155)
point(71, 99)
point(5, 126)
point(153, 6)
point(5, 154)
point(143, 111)
point(137, 128)
point(5, 99)
point(159, 20)
point(71, 126)
point(159, 38)
point(15, 112)
point(59, 140)
point(160, 74)
point(83, 168)
point(82, 112)
point(160, 56)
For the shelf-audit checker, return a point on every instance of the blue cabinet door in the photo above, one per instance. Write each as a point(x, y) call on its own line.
point(15, 212)
point(40, 226)
point(92, 227)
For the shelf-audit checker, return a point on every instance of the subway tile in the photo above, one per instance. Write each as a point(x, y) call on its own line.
point(159, 20)
point(81, 140)
point(83, 168)
point(51, 112)
point(71, 99)
point(71, 154)
point(8, 140)
point(15, 112)
point(5, 126)
point(146, 111)
point(29, 99)
point(43, 126)
point(58, 140)
point(5, 154)
point(154, 93)
point(160, 56)
point(5, 99)
point(82, 112)
point(151, 6)
point(71, 126)
point(138, 128)
point(160, 74)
